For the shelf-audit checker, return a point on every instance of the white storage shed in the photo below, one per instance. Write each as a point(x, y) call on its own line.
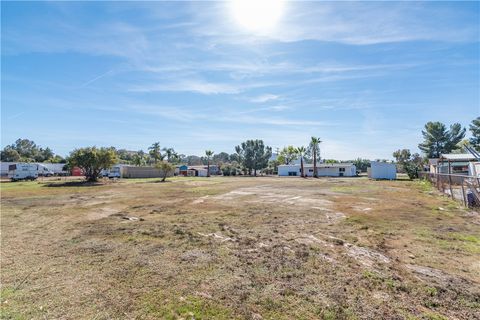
point(382, 170)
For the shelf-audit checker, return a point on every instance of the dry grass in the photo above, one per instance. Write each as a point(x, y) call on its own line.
point(246, 248)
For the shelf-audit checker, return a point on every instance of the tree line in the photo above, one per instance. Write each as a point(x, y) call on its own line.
point(249, 158)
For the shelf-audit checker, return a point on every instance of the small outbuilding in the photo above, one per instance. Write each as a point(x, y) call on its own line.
point(452, 163)
point(382, 170)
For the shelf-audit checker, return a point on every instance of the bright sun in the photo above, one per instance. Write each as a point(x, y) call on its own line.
point(257, 15)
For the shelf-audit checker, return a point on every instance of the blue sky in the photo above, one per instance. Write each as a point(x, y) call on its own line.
point(363, 76)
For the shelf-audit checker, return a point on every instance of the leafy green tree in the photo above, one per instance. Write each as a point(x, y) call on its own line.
point(254, 155)
point(261, 155)
point(166, 168)
point(244, 155)
point(26, 148)
point(462, 146)
point(56, 159)
point(26, 151)
point(138, 159)
point(208, 154)
point(273, 165)
point(9, 154)
point(155, 152)
point(411, 163)
point(361, 164)
point(475, 130)
point(44, 154)
point(221, 158)
point(230, 169)
point(288, 154)
point(192, 160)
point(314, 147)
point(438, 139)
point(330, 161)
point(226, 170)
point(301, 153)
point(92, 160)
point(402, 155)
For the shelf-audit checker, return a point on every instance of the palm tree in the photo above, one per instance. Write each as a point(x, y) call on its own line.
point(301, 153)
point(315, 149)
point(155, 152)
point(172, 156)
point(208, 153)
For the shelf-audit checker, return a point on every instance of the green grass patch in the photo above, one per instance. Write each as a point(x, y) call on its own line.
point(337, 312)
point(16, 186)
point(424, 185)
point(205, 191)
point(8, 306)
point(451, 241)
point(162, 306)
point(355, 188)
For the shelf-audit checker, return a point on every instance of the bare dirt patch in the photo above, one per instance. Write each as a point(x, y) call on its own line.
point(238, 248)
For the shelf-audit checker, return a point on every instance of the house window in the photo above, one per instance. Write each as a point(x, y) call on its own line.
point(341, 169)
point(310, 170)
point(292, 173)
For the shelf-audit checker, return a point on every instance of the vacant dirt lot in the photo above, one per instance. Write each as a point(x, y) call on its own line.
point(237, 248)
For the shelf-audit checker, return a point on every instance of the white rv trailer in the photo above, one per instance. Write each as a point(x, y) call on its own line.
point(23, 171)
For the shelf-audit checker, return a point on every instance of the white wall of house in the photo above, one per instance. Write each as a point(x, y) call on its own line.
point(382, 170)
point(202, 172)
point(289, 170)
point(323, 170)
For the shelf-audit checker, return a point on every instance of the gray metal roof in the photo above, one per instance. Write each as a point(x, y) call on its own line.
point(458, 156)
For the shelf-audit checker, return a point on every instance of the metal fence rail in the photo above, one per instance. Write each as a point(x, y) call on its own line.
point(459, 187)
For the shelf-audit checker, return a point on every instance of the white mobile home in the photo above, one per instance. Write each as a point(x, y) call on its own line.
point(382, 170)
point(323, 170)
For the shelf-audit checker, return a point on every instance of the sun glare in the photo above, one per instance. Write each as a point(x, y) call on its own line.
point(258, 15)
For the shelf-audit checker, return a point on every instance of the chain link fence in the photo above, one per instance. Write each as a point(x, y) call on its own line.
point(459, 187)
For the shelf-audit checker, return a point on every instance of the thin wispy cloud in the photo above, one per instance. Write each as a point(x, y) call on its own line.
point(202, 87)
point(350, 72)
point(265, 98)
